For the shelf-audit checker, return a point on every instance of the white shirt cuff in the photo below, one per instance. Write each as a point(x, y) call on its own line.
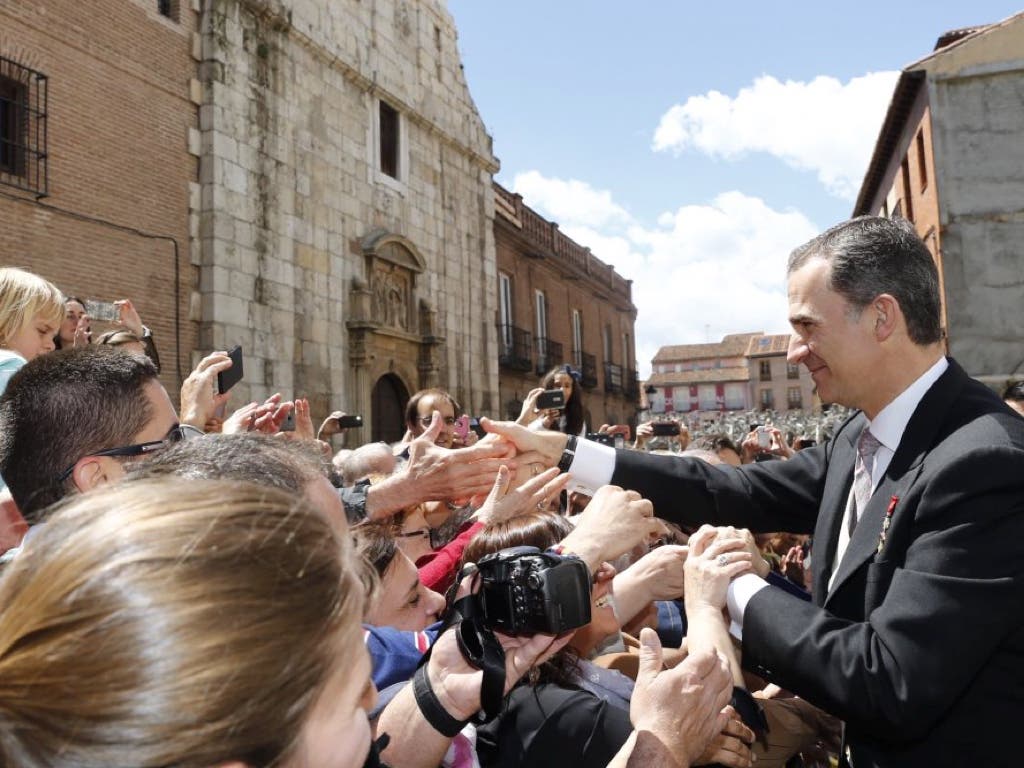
point(592, 466)
point(741, 589)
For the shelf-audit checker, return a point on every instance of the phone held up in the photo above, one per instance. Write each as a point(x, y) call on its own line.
point(550, 400)
point(102, 311)
point(349, 422)
point(227, 379)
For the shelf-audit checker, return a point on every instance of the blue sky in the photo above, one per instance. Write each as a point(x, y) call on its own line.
point(692, 145)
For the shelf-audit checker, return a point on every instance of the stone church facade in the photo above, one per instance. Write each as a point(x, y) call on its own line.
point(343, 225)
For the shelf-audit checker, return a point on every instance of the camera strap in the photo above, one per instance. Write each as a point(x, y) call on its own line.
point(481, 650)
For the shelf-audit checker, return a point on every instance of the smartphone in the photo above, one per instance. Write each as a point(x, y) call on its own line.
point(601, 437)
point(227, 379)
point(664, 429)
point(461, 428)
point(764, 438)
point(104, 311)
point(476, 426)
point(288, 425)
point(349, 422)
point(550, 399)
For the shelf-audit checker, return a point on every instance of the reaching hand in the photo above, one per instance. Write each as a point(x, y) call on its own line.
point(199, 398)
point(330, 426)
point(681, 706)
point(535, 494)
point(83, 333)
point(712, 564)
point(613, 523)
point(548, 445)
point(128, 317)
point(731, 746)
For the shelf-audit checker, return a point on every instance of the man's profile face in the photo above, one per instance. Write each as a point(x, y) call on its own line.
point(163, 418)
point(836, 345)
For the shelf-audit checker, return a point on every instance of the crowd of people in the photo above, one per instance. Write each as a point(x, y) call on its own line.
point(194, 583)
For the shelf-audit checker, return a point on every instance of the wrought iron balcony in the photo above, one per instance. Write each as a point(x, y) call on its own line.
point(612, 377)
point(549, 354)
point(514, 345)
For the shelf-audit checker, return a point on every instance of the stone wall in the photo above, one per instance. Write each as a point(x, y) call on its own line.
point(297, 229)
point(977, 122)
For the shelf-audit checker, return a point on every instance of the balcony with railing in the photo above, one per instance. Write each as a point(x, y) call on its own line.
point(548, 241)
point(514, 344)
point(549, 354)
point(612, 377)
point(588, 370)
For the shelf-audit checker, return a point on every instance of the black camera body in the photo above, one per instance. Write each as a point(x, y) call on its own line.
point(524, 591)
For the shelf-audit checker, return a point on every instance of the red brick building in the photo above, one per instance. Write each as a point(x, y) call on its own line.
point(95, 168)
point(558, 303)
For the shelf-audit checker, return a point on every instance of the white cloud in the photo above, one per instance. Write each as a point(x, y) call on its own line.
point(823, 125)
point(700, 272)
point(570, 203)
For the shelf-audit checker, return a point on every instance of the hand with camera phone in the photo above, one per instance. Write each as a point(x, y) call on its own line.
point(128, 317)
point(297, 423)
point(199, 397)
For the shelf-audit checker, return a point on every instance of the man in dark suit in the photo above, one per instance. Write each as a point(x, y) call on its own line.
point(915, 636)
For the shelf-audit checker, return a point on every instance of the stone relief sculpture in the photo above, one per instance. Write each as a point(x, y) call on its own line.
point(391, 296)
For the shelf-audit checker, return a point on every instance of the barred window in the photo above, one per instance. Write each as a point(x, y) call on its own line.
point(22, 127)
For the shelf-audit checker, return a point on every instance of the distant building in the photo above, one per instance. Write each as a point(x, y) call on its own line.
point(949, 158)
point(558, 303)
point(742, 372)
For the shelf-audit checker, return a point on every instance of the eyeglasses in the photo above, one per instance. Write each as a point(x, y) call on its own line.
point(425, 420)
point(178, 433)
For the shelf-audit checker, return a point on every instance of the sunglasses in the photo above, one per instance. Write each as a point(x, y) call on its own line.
point(178, 433)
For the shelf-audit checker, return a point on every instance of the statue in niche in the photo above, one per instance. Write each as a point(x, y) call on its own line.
point(391, 297)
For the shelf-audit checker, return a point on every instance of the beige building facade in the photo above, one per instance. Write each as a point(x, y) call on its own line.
point(343, 229)
point(742, 372)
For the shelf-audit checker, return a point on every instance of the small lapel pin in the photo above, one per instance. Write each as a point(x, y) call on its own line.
point(886, 523)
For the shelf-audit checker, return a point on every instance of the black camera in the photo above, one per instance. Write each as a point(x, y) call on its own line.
point(602, 438)
point(524, 591)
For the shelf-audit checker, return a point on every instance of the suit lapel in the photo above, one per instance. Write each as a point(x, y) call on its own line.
point(918, 438)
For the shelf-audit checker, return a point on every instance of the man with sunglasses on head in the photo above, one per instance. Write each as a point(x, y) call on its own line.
point(71, 419)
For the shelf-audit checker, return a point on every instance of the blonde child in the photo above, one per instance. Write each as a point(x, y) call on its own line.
point(31, 310)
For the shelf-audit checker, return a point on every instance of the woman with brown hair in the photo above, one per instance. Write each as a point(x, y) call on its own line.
point(190, 624)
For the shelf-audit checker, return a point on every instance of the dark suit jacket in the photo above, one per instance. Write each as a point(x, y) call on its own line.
point(919, 646)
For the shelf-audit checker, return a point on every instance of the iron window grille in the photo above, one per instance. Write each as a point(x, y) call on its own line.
point(23, 101)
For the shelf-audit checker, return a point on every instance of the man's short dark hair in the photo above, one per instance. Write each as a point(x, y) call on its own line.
point(869, 256)
point(259, 459)
point(63, 406)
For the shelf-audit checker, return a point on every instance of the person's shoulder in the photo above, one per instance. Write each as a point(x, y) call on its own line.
point(10, 360)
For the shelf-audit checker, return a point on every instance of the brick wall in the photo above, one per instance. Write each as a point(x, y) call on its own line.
point(119, 112)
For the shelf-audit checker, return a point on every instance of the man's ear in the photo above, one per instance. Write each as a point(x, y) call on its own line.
point(886, 312)
point(89, 473)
